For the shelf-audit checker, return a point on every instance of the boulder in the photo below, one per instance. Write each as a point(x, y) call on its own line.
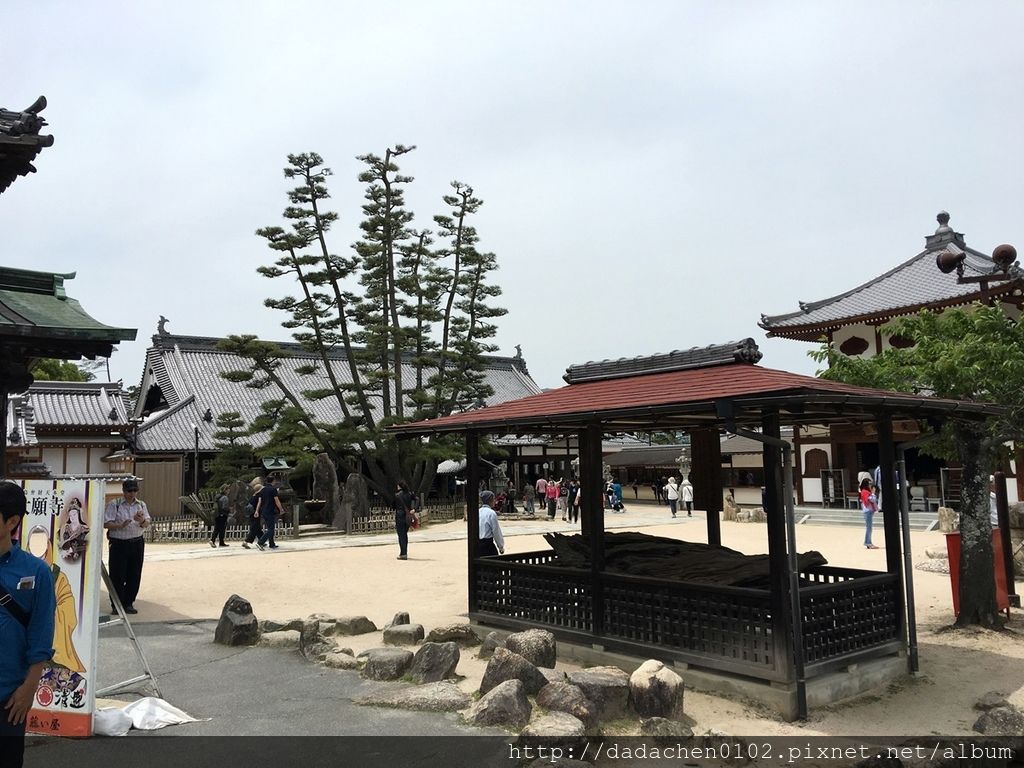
point(339, 660)
point(937, 553)
point(553, 675)
point(568, 698)
point(656, 691)
point(403, 634)
point(386, 663)
point(662, 727)
point(991, 700)
point(607, 687)
point(402, 617)
point(933, 566)
point(505, 705)
point(537, 646)
point(505, 665)
point(354, 625)
point(269, 625)
point(442, 696)
point(462, 634)
point(311, 641)
point(555, 729)
point(237, 625)
point(434, 662)
point(355, 503)
point(492, 641)
point(285, 638)
point(1001, 721)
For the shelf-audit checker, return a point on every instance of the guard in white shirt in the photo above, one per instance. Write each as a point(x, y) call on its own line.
point(491, 541)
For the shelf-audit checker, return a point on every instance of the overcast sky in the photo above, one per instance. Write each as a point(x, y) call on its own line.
point(655, 174)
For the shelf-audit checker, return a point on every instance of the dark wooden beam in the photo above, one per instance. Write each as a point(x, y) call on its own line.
point(706, 476)
point(778, 564)
point(472, 512)
point(592, 516)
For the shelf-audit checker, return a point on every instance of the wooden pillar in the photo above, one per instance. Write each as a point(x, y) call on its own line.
point(778, 563)
point(472, 513)
point(891, 521)
point(4, 405)
point(706, 476)
point(798, 466)
point(592, 518)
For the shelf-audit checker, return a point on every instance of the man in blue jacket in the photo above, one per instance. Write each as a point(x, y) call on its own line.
point(27, 607)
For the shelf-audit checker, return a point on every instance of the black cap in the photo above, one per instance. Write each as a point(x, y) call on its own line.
point(130, 485)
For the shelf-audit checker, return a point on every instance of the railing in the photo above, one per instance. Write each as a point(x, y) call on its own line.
point(846, 612)
point(381, 520)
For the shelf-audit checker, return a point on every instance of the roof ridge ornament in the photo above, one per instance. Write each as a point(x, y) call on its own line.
point(743, 351)
point(944, 234)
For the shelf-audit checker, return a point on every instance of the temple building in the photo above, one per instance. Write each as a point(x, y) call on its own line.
point(854, 322)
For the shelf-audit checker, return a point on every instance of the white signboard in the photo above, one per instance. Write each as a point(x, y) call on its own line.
point(64, 527)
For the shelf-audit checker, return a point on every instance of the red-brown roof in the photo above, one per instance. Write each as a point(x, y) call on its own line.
point(691, 395)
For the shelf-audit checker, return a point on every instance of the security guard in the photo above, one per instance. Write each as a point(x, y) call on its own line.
point(125, 519)
point(27, 607)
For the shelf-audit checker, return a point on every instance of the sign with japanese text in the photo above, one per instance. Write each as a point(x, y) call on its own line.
point(64, 527)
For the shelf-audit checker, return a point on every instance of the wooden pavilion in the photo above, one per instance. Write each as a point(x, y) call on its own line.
point(804, 626)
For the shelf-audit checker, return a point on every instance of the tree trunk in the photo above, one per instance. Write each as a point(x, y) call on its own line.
point(977, 566)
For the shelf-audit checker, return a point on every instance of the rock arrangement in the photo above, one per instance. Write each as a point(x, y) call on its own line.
point(521, 690)
point(998, 716)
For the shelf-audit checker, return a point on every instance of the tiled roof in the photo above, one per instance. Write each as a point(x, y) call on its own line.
point(913, 285)
point(187, 367)
point(20, 141)
point(696, 390)
point(20, 422)
point(38, 319)
point(78, 404)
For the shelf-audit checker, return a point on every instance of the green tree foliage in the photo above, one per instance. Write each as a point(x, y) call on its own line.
point(235, 460)
point(369, 318)
point(48, 369)
point(975, 353)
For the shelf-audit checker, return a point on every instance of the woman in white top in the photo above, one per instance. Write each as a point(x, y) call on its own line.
point(672, 494)
point(686, 494)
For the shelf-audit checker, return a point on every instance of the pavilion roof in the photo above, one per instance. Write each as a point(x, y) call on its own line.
point(691, 397)
point(905, 289)
point(38, 319)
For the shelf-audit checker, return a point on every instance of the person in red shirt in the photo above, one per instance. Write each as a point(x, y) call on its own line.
point(868, 505)
point(552, 497)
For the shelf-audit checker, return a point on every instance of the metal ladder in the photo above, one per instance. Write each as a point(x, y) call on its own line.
point(122, 618)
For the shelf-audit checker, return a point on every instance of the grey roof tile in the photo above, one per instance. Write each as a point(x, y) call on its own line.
point(77, 404)
point(187, 367)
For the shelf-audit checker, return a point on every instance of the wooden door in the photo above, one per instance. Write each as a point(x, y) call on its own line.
point(160, 485)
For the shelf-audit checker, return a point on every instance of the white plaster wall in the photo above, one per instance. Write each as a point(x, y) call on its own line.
point(54, 459)
point(77, 461)
point(866, 332)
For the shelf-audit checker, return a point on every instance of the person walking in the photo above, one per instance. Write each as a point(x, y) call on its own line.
point(563, 499)
point(671, 491)
point(529, 494)
point(573, 508)
point(636, 490)
point(491, 542)
point(125, 519)
point(617, 504)
point(656, 490)
point(551, 492)
point(868, 505)
point(220, 519)
point(405, 507)
point(28, 608)
point(255, 528)
point(268, 507)
point(686, 496)
point(542, 489)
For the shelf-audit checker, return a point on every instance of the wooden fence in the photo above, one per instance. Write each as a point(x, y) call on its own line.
point(193, 527)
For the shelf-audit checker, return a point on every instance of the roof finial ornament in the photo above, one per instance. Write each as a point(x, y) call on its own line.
point(519, 352)
point(161, 326)
point(943, 219)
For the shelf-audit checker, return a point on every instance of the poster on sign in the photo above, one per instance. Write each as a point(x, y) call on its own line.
point(64, 527)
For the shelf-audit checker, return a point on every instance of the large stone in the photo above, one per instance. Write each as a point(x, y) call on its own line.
point(607, 687)
point(386, 663)
point(656, 691)
point(269, 625)
point(553, 675)
point(354, 625)
point(340, 660)
point(462, 634)
point(285, 638)
point(662, 727)
point(991, 700)
point(492, 641)
point(311, 641)
point(505, 665)
point(505, 705)
point(565, 697)
point(937, 552)
point(434, 662)
point(555, 729)
point(325, 488)
point(403, 634)
point(1001, 721)
point(537, 646)
point(442, 696)
point(933, 566)
point(402, 617)
point(237, 625)
point(355, 502)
